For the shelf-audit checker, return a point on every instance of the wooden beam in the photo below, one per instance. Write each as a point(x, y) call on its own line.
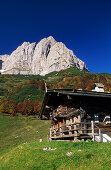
point(100, 136)
point(70, 132)
point(92, 125)
point(54, 130)
point(75, 127)
point(78, 135)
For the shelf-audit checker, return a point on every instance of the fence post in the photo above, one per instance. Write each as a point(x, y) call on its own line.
point(54, 131)
point(60, 130)
point(92, 125)
point(70, 132)
point(100, 136)
point(75, 131)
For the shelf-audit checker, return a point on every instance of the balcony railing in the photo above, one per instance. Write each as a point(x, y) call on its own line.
point(72, 130)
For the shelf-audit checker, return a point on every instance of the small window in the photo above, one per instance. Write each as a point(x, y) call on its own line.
point(96, 118)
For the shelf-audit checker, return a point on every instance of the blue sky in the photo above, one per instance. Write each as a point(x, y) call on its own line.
point(84, 26)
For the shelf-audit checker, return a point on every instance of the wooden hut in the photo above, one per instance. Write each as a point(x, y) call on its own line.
point(72, 112)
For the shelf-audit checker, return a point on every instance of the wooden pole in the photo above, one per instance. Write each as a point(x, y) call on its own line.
point(70, 122)
point(46, 87)
point(80, 126)
point(60, 129)
point(92, 125)
point(50, 129)
point(85, 127)
point(54, 130)
point(75, 132)
point(79, 118)
point(100, 136)
point(70, 133)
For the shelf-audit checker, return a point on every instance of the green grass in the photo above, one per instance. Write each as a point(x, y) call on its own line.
point(91, 155)
point(20, 129)
point(20, 148)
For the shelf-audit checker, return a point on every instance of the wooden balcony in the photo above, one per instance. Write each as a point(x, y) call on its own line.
point(83, 130)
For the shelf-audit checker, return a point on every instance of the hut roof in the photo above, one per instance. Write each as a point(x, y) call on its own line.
point(55, 97)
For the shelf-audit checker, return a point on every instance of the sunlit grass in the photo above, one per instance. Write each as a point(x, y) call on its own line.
point(85, 155)
point(19, 129)
point(20, 148)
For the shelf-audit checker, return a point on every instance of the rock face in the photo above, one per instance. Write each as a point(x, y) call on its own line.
point(42, 58)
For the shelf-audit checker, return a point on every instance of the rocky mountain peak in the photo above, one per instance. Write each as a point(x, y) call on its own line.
point(42, 58)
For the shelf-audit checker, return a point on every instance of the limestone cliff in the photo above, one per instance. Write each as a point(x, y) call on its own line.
point(42, 58)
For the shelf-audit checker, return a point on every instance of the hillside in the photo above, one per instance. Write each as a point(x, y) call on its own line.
point(24, 93)
point(18, 130)
point(20, 148)
point(83, 155)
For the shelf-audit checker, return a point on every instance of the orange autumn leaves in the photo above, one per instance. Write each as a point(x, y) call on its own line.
point(85, 82)
point(25, 108)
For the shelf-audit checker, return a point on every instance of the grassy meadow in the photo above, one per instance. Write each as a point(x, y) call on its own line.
point(20, 148)
point(21, 129)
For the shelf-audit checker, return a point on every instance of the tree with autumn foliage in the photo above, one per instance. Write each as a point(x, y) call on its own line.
point(40, 85)
point(37, 106)
point(102, 79)
point(8, 107)
point(27, 108)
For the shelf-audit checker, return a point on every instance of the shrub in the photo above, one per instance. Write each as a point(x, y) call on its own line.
point(8, 107)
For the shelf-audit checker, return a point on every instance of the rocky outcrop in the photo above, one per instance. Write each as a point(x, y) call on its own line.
point(42, 58)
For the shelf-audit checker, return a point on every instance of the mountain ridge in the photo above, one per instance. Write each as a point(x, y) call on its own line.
point(40, 58)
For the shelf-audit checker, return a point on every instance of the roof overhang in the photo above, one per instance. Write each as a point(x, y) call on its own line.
point(71, 93)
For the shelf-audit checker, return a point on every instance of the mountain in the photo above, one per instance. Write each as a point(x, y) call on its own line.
point(42, 58)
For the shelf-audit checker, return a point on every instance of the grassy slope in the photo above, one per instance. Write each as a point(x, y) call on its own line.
point(20, 148)
point(29, 92)
point(85, 155)
point(18, 130)
point(10, 81)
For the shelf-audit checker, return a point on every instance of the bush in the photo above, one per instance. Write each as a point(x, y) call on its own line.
point(8, 107)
